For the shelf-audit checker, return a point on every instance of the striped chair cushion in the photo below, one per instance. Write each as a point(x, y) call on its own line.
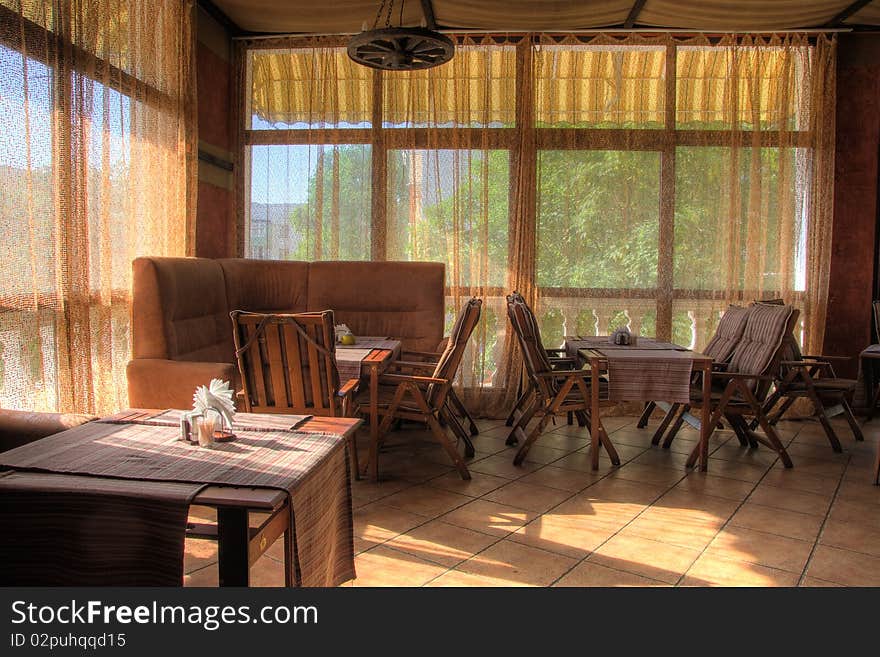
point(791, 350)
point(764, 333)
point(728, 334)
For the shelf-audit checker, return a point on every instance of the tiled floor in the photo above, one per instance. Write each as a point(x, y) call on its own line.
point(554, 522)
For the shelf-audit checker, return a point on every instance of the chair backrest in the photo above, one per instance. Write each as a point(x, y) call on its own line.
point(727, 335)
point(287, 362)
point(759, 351)
point(525, 326)
point(450, 359)
point(791, 350)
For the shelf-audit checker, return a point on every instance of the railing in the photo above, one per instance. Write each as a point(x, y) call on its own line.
point(693, 323)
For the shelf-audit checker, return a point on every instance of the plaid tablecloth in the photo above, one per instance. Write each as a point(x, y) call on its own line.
point(311, 467)
point(649, 371)
point(349, 357)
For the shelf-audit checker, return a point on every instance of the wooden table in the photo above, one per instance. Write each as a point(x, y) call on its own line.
point(378, 361)
point(239, 544)
point(598, 361)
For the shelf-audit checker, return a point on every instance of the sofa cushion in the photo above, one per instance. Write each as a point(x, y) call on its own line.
point(180, 309)
point(265, 285)
point(402, 300)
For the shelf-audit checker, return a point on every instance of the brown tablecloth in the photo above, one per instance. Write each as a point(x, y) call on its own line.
point(311, 467)
point(349, 357)
point(648, 371)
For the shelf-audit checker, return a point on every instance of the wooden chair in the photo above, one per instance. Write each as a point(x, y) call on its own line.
point(288, 366)
point(876, 307)
point(424, 399)
point(720, 348)
point(558, 361)
point(740, 388)
point(554, 391)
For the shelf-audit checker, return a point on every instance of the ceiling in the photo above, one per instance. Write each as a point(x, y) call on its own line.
point(349, 16)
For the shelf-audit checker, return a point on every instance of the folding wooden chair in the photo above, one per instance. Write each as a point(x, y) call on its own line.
point(288, 365)
point(422, 398)
point(740, 389)
point(553, 391)
point(720, 349)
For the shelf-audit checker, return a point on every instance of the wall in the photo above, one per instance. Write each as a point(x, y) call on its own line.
point(852, 274)
point(215, 230)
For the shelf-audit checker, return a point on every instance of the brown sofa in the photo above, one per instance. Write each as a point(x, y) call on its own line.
point(182, 333)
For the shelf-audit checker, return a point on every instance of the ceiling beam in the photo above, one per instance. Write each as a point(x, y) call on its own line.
point(634, 12)
point(428, 11)
point(847, 12)
point(220, 16)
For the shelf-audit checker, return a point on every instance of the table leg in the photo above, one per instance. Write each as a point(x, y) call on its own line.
point(374, 422)
point(705, 418)
point(233, 535)
point(595, 422)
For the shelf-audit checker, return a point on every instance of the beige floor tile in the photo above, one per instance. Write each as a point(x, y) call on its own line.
point(564, 441)
point(541, 453)
point(818, 467)
point(855, 536)
point(267, 572)
point(364, 492)
point(857, 512)
point(479, 483)
point(571, 536)
point(383, 566)
point(582, 461)
point(426, 500)
point(795, 479)
point(204, 577)
point(489, 517)
point(704, 483)
point(634, 554)
point(377, 522)
point(662, 458)
point(844, 567)
point(517, 563)
point(592, 574)
point(736, 469)
point(561, 478)
point(741, 544)
point(649, 474)
point(441, 543)
point(198, 553)
point(714, 570)
point(860, 491)
point(818, 583)
point(502, 466)
point(531, 497)
point(791, 524)
point(790, 500)
point(457, 579)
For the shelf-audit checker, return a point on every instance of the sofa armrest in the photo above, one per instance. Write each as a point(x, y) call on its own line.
point(160, 383)
point(22, 427)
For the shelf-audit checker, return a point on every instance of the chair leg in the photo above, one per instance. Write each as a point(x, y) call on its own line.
point(609, 447)
point(673, 430)
point(583, 419)
point(463, 413)
point(353, 448)
point(851, 420)
point(522, 422)
point(646, 414)
point(443, 439)
point(533, 436)
point(517, 407)
point(826, 426)
point(661, 428)
point(741, 429)
point(453, 423)
point(877, 467)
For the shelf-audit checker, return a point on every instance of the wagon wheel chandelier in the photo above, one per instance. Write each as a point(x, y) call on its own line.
point(401, 48)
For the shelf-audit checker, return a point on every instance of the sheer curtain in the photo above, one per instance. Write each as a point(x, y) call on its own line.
point(647, 180)
point(97, 162)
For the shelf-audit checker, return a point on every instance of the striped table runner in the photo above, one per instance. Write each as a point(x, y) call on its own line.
point(650, 370)
point(349, 357)
point(311, 467)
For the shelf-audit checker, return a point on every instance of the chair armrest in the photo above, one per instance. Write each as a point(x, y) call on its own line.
point(348, 388)
point(161, 383)
point(414, 365)
point(423, 354)
point(560, 350)
point(742, 375)
point(22, 427)
point(840, 359)
point(563, 374)
point(409, 378)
